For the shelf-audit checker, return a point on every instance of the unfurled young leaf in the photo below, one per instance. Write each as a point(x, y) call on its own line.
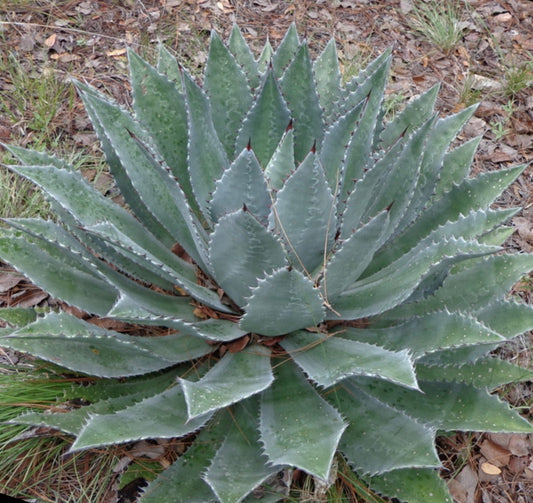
point(290, 278)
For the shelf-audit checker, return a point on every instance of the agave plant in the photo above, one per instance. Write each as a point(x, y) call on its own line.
point(330, 283)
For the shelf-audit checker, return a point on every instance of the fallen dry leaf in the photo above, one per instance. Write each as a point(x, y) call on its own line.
point(116, 52)
point(490, 469)
point(518, 464)
point(146, 449)
point(27, 42)
point(406, 6)
point(495, 454)
point(171, 3)
point(65, 57)
point(504, 17)
point(524, 226)
point(239, 344)
point(30, 298)
point(463, 487)
point(51, 40)
point(519, 444)
point(9, 280)
point(504, 153)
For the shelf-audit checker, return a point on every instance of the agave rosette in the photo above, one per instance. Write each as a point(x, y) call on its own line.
point(331, 281)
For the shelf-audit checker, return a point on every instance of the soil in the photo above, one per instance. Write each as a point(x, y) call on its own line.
point(86, 40)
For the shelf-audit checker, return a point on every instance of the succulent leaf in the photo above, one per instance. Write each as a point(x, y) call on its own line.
point(265, 122)
point(329, 360)
point(18, 316)
point(110, 397)
point(299, 90)
point(241, 444)
point(443, 133)
point(326, 281)
point(305, 199)
point(242, 185)
point(229, 95)
point(160, 107)
point(485, 373)
point(164, 199)
point(285, 52)
point(128, 424)
point(478, 281)
point(269, 313)
point(402, 443)
point(81, 346)
point(471, 195)
point(218, 330)
point(117, 169)
point(168, 66)
point(244, 56)
point(336, 140)
point(373, 295)
point(465, 354)
point(507, 317)
point(342, 271)
point(235, 377)
point(156, 302)
point(388, 184)
point(415, 113)
point(415, 485)
point(455, 166)
point(281, 164)
point(259, 253)
point(89, 208)
point(293, 436)
point(183, 482)
point(77, 285)
point(360, 146)
point(328, 79)
point(448, 406)
point(360, 86)
point(399, 183)
point(34, 158)
point(207, 156)
point(428, 333)
point(265, 58)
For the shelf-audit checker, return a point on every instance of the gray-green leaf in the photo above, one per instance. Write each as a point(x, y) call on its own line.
point(242, 251)
point(235, 377)
point(168, 418)
point(282, 302)
point(303, 432)
point(330, 359)
point(242, 444)
point(304, 215)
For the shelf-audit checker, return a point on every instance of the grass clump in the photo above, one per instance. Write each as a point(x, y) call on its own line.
point(35, 101)
point(440, 22)
point(34, 464)
point(518, 77)
point(19, 198)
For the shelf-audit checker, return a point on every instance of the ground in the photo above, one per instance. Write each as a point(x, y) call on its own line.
point(487, 58)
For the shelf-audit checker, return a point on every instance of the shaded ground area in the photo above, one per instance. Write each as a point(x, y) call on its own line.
point(43, 44)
